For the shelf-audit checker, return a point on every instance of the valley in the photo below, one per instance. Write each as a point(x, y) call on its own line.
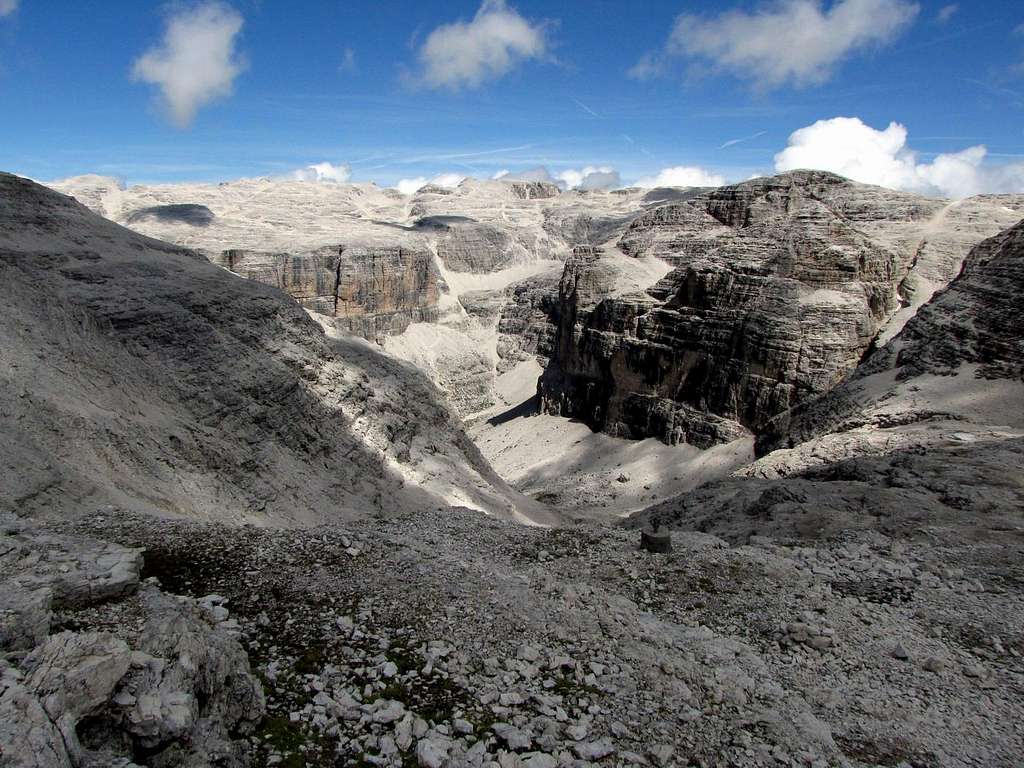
point(311, 475)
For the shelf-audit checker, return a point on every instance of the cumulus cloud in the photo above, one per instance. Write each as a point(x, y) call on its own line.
point(682, 176)
point(590, 177)
point(849, 147)
point(412, 186)
point(788, 41)
point(7, 7)
point(196, 63)
point(587, 178)
point(324, 172)
point(469, 53)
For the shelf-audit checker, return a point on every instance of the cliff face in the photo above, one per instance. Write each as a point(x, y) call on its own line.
point(527, 326)
point(371, 292)
point(775, 295)
point(957, 368)
point(477, 248)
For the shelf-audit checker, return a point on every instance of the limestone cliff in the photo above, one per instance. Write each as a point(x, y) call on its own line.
point(779, 288)
point(954, 375)
point(371, 292)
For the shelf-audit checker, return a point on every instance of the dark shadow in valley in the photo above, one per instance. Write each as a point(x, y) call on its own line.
point(530, 407)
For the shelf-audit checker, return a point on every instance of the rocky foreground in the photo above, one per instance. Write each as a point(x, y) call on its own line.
point(447, 639)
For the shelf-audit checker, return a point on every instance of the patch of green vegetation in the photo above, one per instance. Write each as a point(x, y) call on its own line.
point(566, 685)
point(310, 662)
point(286, 738)
point(405, 659)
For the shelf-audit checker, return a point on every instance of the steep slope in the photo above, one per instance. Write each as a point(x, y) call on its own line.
point(954, 374)
point(384, 265)
point(139, 375)
point(779, 287)
point(929, 431)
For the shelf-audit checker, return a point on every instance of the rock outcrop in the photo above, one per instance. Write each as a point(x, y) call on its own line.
point(371, 292)
point(180, 213)
point(528, 321)
point(138, 374)
point(777, 292)
point(953, 375)
point(170, 685)
point(477, 248)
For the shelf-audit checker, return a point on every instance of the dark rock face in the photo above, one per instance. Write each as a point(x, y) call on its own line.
point(535, 190)
point(976, 321)
point(474, 247)
point(182, 213)
point(370, 291)
point(775, 296)
point(582, 226)
point(529, 321)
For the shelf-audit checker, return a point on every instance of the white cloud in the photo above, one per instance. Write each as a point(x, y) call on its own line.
point(468, 53)
point(587, 178)
point(590, 177)
point(325, 172)
point(196, 63)
point(682, 176)
point(412, 186)
point(946, 13)
point(787, 41)
point(7, 7)
point(650, 65)
point(849, 147)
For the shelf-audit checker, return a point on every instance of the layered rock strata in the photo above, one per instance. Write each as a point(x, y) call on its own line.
point(777, 292)
point(371, 292)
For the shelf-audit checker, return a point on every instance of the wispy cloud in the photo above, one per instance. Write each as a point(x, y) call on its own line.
point(466, 54)
point(7, 7)
point(786, 42)
point(946, 13)
point(196, 63)
point(734, 142)
point(585, 108)
point(348, 60)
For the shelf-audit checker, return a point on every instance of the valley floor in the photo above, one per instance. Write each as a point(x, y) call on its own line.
point(587, 474)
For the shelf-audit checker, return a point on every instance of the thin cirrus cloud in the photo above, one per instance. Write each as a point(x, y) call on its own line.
point(466, 54)
point(789, 42)
point(851, 148)
point(7, 7)
point(196, 63)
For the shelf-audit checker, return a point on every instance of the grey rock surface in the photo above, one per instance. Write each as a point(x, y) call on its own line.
point(144, 678)
point(138, 374)
point(779, 288)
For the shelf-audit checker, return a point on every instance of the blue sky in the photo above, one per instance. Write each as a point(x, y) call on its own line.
point(392, 91)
